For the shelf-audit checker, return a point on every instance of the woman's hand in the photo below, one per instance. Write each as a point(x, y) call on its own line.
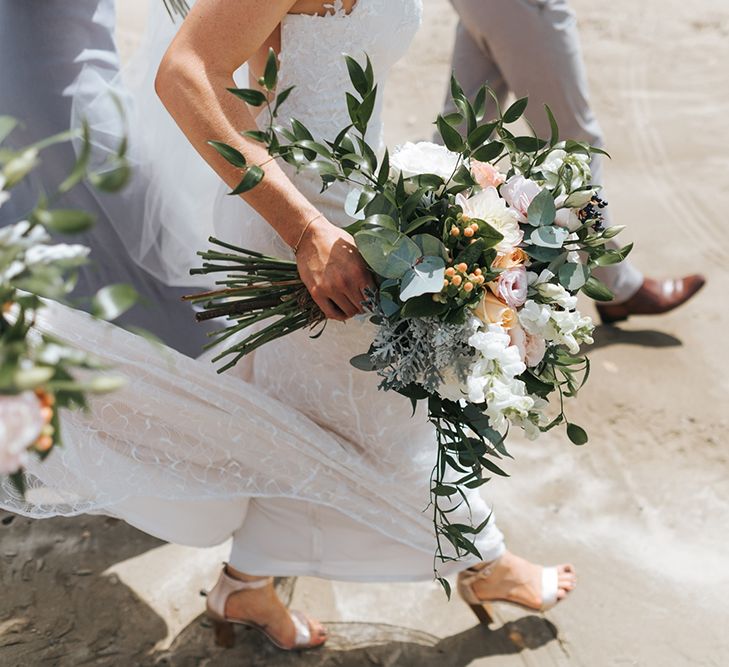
point(333, 270)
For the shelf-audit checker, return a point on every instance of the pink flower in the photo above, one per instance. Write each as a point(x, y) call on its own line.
point(531, 348)
point(486, 174)
point(519, 193)
point(512, 286)
point(20, 425)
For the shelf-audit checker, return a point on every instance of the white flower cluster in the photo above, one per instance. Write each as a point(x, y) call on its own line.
point(26, 248)
point(493, 381)
point(562, 327)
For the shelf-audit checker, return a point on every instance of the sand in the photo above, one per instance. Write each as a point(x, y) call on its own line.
point(642, 510)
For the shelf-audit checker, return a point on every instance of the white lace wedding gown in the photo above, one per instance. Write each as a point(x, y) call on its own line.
point(295, 453)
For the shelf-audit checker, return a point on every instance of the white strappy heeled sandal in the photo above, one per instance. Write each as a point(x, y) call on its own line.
point(482, 608)
point(223, 625)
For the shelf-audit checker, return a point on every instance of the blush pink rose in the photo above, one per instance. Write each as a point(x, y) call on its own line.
point(531, 348)
point(20, 425)
point(486, 175)
point(512, 286)
point(519, 192)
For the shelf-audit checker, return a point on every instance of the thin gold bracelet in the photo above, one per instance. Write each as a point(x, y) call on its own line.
point(295, 248)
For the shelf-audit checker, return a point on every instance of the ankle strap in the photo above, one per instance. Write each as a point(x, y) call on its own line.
point(235, 584)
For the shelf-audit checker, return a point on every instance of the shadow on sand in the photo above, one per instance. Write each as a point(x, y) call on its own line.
point(606, 335)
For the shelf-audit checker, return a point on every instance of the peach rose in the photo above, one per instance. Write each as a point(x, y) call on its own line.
point(486, 175)
point(517, 257)
point(493, 311)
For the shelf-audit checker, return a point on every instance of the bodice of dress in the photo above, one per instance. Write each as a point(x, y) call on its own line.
point(312, 59)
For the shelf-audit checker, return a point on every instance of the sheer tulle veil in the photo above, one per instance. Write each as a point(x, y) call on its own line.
point(166, 213)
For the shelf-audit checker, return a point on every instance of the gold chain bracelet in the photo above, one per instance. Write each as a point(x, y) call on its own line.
point(303, 231)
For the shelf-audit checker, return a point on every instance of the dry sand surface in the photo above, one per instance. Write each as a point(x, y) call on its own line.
point(642, 511)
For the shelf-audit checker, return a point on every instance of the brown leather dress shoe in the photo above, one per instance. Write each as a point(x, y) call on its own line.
point(655, 297)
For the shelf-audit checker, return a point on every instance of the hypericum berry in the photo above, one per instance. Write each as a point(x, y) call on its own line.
point(450, 272)
point(456, 280)
point(462, 267)
point(446, 282)
point(474, 227)
point(44, 443)
point(468, 287)
point(477, 272)
point(468, 232)
point(455, 231)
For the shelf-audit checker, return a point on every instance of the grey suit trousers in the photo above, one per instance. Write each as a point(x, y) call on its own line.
point(532, 47)
point(43, 46)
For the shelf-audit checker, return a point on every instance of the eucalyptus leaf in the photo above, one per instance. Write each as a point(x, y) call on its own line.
point(573, 276)
point(542, 210)
point(426, 277)
point(423, 306)
point(431, 246)
point(388, 253)
point(549, 237)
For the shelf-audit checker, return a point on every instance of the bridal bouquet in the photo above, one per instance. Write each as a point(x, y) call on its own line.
point(40, 375)
point(479, 248)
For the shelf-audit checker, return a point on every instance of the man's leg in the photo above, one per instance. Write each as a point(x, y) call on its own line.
point(533, 47)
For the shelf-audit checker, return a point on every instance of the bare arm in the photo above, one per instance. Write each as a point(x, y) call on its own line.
point(214, 40)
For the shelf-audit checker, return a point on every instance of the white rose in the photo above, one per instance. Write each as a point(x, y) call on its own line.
point(20, 426)
point(486, 205)
point(423, 157)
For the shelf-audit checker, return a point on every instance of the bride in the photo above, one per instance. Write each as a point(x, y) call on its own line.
point(299, 458)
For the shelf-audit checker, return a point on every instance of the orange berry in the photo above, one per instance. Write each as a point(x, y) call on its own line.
point(44, 443)
point(474, 227)
point(462, 267)
point(457, 280)
point(477, 272)
point(446, 282)
point(450, 272)
point(468, 287)
point(468, 232)
point(46, 413)
point(455, 231)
